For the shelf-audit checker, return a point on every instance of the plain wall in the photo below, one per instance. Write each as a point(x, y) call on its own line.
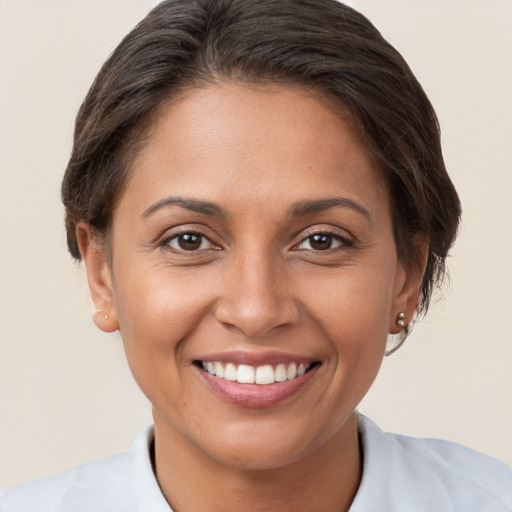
point(66, 395)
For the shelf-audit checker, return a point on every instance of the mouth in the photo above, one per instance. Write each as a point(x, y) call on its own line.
point(263, 375)
point(255, 386)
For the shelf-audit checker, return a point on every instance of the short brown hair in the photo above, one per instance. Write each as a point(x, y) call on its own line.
point(320, 44)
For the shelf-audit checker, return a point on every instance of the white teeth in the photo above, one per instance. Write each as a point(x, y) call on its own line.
point(245, 374)
point(265, 375)
point(262, 375)
point(280, 373)
point(291, 372)
point(219, 370)
point(230, 372)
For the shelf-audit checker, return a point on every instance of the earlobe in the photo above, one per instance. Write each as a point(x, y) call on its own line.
point(99, 278)
point(105, 321)
point(408, 289)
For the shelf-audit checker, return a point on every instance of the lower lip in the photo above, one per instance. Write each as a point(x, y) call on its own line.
point(256, 396)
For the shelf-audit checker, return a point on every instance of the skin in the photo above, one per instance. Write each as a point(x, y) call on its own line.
point(256, 284)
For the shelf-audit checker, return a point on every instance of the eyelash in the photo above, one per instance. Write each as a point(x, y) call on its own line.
point(343, 242)
point(166, 242)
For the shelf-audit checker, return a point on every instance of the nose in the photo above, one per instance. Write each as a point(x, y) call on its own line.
point(256, 297)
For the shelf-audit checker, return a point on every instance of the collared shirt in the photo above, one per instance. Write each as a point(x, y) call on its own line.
point(400, 474)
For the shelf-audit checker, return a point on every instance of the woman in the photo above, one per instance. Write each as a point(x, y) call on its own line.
point(258, 193)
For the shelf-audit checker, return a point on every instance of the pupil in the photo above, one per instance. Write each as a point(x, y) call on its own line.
point(321, 242)
point(189, 241)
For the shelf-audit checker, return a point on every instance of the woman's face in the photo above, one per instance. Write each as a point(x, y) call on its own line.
point(255, 239)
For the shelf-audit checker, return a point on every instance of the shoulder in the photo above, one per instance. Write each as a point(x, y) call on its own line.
point(119, 483)
point(427, 475)
point(82, 488)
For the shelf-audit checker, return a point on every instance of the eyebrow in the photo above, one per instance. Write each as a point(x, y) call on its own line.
point(195, 205)
point(297, 210)
point(304, 207)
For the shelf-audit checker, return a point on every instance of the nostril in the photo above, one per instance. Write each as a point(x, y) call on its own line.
point(257, 318)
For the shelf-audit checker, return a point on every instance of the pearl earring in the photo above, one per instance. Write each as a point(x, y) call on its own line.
point(400, 319)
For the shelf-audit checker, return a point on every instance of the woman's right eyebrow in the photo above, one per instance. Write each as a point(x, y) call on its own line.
point(195, 205)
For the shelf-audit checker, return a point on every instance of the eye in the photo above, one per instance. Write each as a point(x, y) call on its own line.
point(189, 242)
point(322, 242)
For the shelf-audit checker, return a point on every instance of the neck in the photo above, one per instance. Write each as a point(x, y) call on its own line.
point(326, 479)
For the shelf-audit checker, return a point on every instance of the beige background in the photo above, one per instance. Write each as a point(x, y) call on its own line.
point(66, 395)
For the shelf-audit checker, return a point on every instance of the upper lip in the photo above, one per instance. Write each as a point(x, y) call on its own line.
point(255, 359)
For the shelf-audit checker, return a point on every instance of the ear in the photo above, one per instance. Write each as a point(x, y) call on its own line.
point(408, 287)
point(99, 278)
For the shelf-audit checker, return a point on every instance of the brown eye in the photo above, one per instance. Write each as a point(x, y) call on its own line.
point(322, 242)
point(189, 242)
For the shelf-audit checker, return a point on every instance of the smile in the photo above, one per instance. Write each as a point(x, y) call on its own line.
point(256, 381)
point(262, 375)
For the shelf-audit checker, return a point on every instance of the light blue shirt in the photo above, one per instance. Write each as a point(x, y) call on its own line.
point(400, 474)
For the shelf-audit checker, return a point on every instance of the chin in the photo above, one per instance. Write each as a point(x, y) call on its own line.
point(266, 443)
point(257, 454)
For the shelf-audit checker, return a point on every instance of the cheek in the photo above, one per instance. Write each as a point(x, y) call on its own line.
point(353, 305)
point(158, 312)
point(352, 308)
point(158, 309)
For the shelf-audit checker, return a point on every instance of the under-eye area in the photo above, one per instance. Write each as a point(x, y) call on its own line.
point(263, 375)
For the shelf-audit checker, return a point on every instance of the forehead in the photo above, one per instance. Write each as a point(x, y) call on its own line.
point(242, 141)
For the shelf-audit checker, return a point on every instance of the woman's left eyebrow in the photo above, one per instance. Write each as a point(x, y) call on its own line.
point(317, 205)
point(195, 205)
